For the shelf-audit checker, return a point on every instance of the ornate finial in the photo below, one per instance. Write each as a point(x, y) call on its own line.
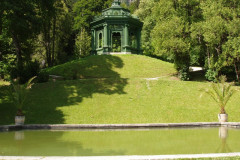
point(116, 3)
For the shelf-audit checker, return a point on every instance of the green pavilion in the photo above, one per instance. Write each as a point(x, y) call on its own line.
point(116, 31)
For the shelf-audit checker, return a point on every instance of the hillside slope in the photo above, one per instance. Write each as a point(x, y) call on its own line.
point(107, 66)
point(118, 89)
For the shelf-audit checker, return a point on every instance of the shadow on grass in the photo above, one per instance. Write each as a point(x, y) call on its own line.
point(7, 109)
point(44, 100)
point(89, 67)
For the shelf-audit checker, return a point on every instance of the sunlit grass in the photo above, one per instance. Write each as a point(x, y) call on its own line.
point(105, 66)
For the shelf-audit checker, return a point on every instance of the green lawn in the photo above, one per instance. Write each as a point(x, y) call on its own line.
point(124, 97)
point(122, 66)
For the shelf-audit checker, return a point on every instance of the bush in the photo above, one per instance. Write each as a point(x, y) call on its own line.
point(42, 77)
point(28, 71)
point(211, 75)
point(184, 74)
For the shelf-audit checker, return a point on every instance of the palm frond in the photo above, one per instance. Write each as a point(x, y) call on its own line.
point(221, 92)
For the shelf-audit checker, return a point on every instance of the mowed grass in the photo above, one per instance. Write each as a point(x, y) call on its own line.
point(124, 97)
point(121, 66)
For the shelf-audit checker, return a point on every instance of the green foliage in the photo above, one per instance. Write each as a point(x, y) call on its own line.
point(170, 36)
point(18, 94)
point(231, 55)
point(193, 32)
point(42, 77)
point(85, 10)
point(221, 92)
point(133, 6)
point(216, 31)
point(20, 23)
point(7, 64)
point(83, 44)
point(56, 31)
point(29, 70)
point(211, 75)
point(145, 13)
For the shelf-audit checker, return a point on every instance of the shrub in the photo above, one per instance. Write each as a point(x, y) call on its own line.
point(29, 70)
point(18, 94)
point(42, 77)
point(211, 75)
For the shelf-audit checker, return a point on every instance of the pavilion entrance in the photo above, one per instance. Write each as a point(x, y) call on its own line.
point(116, 42)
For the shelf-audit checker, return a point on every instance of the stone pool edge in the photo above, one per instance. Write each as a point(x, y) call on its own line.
point(117, 126)
point(150, 157)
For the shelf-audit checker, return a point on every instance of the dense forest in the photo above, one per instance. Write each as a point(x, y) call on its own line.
point(38, 34)
point(193, 32)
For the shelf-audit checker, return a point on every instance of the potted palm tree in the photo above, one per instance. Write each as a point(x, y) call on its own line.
point(221, 92)
point(18, 94)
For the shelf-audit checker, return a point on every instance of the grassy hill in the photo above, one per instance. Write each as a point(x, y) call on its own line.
point(105, 66)
point(115, 89)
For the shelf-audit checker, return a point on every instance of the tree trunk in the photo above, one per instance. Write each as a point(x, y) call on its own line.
point(1, 73)
point(81, 39)
point(237, 71)
point(222, 111)
point(47, 43)
point(208, 54)
point(18, 51)
point(1, 58)
point(53, 40)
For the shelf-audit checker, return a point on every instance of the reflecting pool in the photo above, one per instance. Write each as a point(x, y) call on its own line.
point(119, 142)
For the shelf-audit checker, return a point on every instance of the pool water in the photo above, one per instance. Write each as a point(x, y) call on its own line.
point(119, 142)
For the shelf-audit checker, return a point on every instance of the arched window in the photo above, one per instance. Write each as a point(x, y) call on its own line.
point(100, 39)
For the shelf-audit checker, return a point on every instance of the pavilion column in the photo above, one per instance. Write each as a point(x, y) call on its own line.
point(93, 40)
point(105, 34)
point(126, 35)
point(105, 38)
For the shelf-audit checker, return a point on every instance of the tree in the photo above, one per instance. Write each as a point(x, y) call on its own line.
point(232, 55)
point(144, 12)
point(219, 24)
point(56, 30)
point(83, 44)
point(171, 35)
point(19, 21)
point(84, 12)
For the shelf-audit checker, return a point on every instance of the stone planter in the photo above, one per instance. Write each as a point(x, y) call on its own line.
point(223, 117)
point(19, 120)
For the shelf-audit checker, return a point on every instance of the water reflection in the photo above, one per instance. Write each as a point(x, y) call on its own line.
point(120, 142)
point(19, 135)
point(223, 135)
